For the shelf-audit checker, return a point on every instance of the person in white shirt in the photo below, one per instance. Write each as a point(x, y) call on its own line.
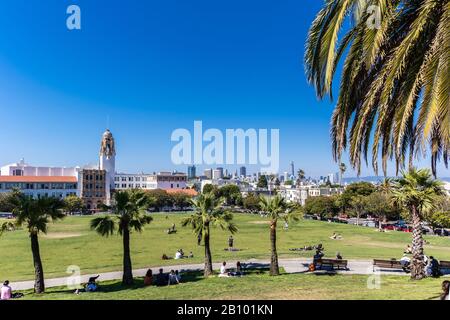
point(178, 255)
point(223, 270)
point(5, 291)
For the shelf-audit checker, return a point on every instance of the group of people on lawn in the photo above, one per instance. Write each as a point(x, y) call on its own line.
point(162, 279)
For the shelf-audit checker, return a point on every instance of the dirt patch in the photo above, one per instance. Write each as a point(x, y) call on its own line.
point(62, 235)
point(260, 222)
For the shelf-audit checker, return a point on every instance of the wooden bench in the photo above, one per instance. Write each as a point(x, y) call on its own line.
point(387, 264)
point(339, 263)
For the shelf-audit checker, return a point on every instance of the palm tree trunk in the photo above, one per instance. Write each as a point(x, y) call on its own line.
point(274, 269)
point(127, 278)
point(208, 260)
point(417, 266)
point(39, 286)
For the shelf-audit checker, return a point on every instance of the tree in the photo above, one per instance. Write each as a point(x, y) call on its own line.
point(300, 176)
point(128, 214)
point(323, 206)
point(158, 199)
point(73, 204)
point(394, 84)
point(379, 204)
point(210, 188)
point(231, 193)
point(208, 213)
point(342, 169)
point(439, 219)
point(251, 202)
point(358, 204)
point(262, 182)
point(180, 199)
point(276, 208)
point(35, 215)
point(416, 191)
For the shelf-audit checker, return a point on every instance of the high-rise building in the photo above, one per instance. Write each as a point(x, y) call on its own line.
point(191, 172)
point(243, 171)
point(217, 173)
point(292, 169)
point(208, 173)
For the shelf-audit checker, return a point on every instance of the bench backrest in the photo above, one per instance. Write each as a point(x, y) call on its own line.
point(379, 262)
point(444, 263)
point(333, 261)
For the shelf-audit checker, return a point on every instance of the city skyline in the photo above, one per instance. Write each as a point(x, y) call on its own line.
point(60, 89)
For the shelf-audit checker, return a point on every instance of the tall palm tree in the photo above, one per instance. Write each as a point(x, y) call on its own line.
point(276, 208)
point(128, 214)
point(300, 176)
point(394, 81)
point(208, 213)
point(416, 192)
point(35, 214)
point(342, 169)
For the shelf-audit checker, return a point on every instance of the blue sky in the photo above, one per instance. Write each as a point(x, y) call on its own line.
point(152, 67)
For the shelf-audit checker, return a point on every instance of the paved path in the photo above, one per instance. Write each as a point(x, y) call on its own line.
point(289, 265)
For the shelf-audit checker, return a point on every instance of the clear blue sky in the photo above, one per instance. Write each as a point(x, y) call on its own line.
point(152, 67)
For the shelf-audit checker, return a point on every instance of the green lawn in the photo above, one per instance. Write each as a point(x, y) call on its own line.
point(70, 242)
point(261, 286)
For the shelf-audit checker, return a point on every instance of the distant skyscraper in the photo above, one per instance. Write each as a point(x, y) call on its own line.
point(208, 173)
point(243, 171)
point(217, 173)
point(191, 172)
point(286, 176)
point(292, 169)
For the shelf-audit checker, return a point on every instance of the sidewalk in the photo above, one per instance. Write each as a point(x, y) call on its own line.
point(361, 267)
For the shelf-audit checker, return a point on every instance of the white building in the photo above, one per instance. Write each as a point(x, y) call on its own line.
point(301, 193)
point(161, 180)
point(41, 186)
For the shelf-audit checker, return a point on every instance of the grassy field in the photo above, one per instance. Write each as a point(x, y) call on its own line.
point(71, 242)
point(250, 287)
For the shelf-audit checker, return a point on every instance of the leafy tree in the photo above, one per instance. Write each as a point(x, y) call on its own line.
point(158, 199)
point(262, 182)
point(323, 206)
point(35, 215)
point(416, 192)
point(379, 204)
point(208, 213)
point(210, 188)
point(73, 204)
point(276, 208)
point(128, 214)
point(439, 219)
point(180, 199)
point(231, 193)
point(358, 204)
point(251, 202)
point(288, 183)
point(394, 83)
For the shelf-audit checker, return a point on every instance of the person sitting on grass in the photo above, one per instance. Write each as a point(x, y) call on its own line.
point(165, 257)
point(335, 236)
point(92, 284)
point(223, 270)
point(161, 279)
point(191, 255)
point(408, 249)
point(173, 279)
point(338, 256)
point(5, 291)
point(445, 290)
point(148, 280)
point(179, 254)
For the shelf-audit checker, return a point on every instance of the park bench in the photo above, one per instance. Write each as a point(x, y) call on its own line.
point(444, 264)
point(387, 264)
point(338, 263)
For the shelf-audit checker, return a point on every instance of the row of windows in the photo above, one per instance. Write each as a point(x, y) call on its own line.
point(93, 194)
point(143, 186)
point(37, 186)
point(91, 177)
point(131, 179)
point(90, 186)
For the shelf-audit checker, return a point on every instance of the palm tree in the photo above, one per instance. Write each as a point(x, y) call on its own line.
point(276, 208)
point(342, 169)
point(416, 192)
point(128, 213)
point(300, 176)
point(394, 80)
point(208, 213)
point(35, 214)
